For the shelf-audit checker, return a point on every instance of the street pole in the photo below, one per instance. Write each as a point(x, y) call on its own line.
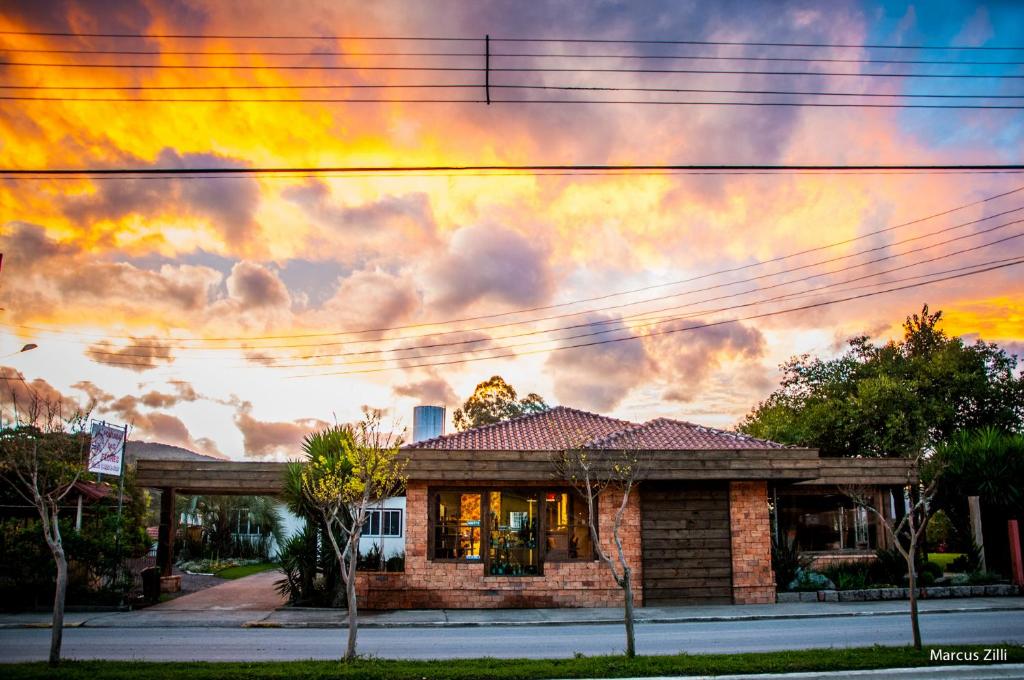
point(120, 504)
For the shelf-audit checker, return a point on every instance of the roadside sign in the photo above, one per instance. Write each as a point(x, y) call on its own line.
point(106, 449)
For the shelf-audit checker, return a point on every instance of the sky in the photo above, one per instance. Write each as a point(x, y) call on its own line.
point(232, 315)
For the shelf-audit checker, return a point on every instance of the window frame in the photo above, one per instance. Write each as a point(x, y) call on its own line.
point(432, 494)
point(485, 525)
point(576, 497)
point(380, 523)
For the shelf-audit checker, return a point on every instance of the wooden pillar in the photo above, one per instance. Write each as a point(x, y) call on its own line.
point(974, 508)
point(168, 527)
point(1016, 566)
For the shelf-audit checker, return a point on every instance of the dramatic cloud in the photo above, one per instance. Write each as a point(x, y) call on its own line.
point(265, 439)
point(490, 264)
point(141, 354)
point(231, 209)
point(156, 426)
point(433, 391)
point(368, 300)
point(599, 377)
point(254, 285)
point(685, 360)
point(25, 400)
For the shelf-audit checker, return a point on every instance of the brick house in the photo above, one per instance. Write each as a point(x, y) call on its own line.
point(489, 524)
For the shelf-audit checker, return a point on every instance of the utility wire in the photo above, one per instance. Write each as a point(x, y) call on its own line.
point(476, 86)
point(670, 330)
point(665, 319)
point(371, 169)
point(642, 319)
point(508, 55)
point(478, 39)
point(602, 310)
point(379, 100)
point(606, 296)
point(468, 69)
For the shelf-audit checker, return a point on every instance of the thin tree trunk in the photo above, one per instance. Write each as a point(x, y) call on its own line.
point(353, 618)
point(57, 631)
point(627, 587)
point(914, 624)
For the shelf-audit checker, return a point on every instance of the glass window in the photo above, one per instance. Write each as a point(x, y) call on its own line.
point(514, 522)
point(392, 523)
point(825, 523)
point(457, 526)
point(567, 527)
point(383, 523)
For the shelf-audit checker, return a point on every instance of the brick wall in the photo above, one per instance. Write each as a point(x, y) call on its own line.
point(753, 581)
point(462, 585)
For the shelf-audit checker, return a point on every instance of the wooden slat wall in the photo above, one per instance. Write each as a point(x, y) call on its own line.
point(259, 479)
point(687, 557)
point(862, 471)
point(776, 464)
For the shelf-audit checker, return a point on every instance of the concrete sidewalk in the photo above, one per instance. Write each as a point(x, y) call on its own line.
point(296, 617)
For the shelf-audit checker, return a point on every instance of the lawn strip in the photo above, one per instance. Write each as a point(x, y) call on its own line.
point(508, 669)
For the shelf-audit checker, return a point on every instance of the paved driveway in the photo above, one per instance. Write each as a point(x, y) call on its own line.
point(251, 593)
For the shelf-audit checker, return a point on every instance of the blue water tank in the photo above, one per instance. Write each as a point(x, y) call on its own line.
point(427, 422)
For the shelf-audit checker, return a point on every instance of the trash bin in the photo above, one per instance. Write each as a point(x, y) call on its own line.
point(151, 583)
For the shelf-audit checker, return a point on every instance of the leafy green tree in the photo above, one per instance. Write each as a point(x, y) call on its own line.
point(348, 470)
point(42, 462)
point(896, 399)
point(493, 401)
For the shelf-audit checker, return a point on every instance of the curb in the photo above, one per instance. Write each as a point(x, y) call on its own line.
point(263, 623)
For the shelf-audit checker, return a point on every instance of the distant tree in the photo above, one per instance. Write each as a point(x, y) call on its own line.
point(349, 470)
point(896, 399)
point(42, 459)
point(493, 401)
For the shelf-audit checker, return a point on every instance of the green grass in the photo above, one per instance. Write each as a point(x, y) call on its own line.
point(508, 669)
point(247, 570)
point(943, 559)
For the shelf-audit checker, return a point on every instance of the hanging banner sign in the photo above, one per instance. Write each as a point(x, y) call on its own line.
point(106, 449)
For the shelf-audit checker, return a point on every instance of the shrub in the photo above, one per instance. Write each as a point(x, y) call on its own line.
point(852, 575)
point(786, 561)
point(889, 567)
point(968, 562)
point(807, 580)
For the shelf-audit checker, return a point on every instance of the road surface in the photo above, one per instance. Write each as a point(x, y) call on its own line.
point(265, 644)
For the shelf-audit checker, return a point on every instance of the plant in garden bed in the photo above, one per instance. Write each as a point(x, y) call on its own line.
point(787, 561)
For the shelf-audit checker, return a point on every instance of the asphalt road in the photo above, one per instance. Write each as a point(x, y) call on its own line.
point(256, 644)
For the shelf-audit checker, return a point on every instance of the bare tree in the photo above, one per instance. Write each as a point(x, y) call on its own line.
point(595, 473)
point(351, 469)
point(908, 530)
point(42, 459)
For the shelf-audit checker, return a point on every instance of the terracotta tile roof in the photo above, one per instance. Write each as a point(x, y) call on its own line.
point(545, 431)
point(561, 426)
point(665, 434)
point(93, 491)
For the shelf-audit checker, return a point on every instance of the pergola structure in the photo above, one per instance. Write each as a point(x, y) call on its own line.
point(189, 477)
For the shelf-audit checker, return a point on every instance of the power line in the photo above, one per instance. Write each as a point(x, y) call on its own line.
point(474, 69)
point(663, 320)
point(371, 169)
point(606, 296)
point(307, 100)
point(449, 175)
point(507, 55)
point(647, 318)
point(639, 315)
point(476, 86)
point(667, 331)
point(660, 320)
point(602, 41)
